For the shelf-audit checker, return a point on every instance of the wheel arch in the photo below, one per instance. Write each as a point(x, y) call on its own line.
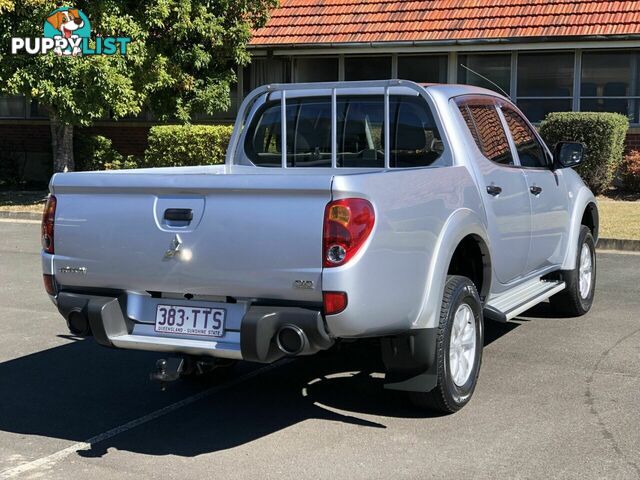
point(591, 219)
point(472, 259)
point(464, 227)
point(585, 212)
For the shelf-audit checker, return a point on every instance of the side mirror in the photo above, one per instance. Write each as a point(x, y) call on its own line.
point(568, 154)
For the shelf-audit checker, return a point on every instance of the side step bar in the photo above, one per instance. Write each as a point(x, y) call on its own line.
point(512, 303)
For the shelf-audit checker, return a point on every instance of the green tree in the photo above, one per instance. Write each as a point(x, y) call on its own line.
point(181, 60)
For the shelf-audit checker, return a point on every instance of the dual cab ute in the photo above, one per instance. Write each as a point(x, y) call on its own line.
point(345, 210)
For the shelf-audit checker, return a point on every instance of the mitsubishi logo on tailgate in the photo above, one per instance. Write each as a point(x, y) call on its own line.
point(177, 251)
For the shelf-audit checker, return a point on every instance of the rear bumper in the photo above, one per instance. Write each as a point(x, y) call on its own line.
point(126, 321)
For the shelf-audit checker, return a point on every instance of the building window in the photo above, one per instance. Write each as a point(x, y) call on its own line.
point(263, 71)
point(423, 68)
point(496, 68)
point(36, 110)
point(13, 107)
point(545, 83)
point(313, 69)
point(609, 83)
point(367, 68)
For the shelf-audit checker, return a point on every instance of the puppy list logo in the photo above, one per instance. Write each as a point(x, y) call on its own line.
point(67, 32)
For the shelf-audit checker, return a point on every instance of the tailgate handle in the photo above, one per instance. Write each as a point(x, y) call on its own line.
point(178, 214)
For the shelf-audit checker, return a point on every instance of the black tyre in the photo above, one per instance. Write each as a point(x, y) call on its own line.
point(458, 350)
point(576, 299)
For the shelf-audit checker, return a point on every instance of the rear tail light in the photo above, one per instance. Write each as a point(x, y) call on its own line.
point(48, 221)
point(334, 302)
point(49, 284)
point(347, 225)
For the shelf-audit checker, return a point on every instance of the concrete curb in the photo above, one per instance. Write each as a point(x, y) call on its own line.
point(20, 215)
point(603, 243)
point(618, 244)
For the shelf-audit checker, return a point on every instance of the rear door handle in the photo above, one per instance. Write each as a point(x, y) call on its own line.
point(178, 214)
point(535, 190)
point(494, 190)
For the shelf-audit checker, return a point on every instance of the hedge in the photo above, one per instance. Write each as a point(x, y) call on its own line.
point(603, 135)
point(185, 145)
point(630, 171)
point(95, 152)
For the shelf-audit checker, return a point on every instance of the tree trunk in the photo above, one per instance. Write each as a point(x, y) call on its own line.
point(62, 144)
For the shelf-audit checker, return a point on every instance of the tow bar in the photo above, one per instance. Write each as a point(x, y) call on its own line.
point(172, 368)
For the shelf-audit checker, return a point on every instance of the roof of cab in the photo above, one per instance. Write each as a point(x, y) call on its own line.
point(456, 90)
point(370, 86)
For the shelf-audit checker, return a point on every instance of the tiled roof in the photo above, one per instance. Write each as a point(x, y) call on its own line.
point(363, 21)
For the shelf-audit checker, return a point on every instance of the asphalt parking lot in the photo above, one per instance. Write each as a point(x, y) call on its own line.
point(557, 398)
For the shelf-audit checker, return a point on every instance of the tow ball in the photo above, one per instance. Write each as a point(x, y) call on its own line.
point(167, 370)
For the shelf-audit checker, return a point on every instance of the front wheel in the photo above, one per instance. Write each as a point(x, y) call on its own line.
point(577, 297)
point(458, 349)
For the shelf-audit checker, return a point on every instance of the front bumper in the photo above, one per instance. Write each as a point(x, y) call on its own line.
point(126, 321)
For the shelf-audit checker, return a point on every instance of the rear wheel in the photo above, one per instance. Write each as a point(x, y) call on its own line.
point(576, 299)
point(458, 349)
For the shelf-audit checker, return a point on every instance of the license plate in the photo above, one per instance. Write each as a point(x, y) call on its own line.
point(182, 320)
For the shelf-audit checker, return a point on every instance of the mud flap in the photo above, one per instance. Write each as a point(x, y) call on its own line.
point(410, 361)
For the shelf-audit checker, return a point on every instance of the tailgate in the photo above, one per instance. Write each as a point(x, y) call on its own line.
point(254, 236)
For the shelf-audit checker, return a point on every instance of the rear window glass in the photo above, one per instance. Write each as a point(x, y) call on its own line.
point(415, 140)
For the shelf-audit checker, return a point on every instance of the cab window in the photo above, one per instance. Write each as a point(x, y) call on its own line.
point(530, 151)
point(415, 139)
point(486, 128)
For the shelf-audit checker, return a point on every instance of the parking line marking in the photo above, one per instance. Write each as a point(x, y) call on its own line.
point(19, 220)
point(50, 460)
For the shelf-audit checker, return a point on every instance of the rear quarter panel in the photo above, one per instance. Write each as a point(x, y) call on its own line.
point(396, 281)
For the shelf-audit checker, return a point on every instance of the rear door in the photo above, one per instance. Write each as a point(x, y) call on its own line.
point(504, 188)
point(547, 192)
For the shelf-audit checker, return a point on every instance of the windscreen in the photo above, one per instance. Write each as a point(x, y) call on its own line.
point(360, 143)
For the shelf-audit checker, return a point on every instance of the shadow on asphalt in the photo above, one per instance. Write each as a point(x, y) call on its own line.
point(542, 310)
point(79, 390)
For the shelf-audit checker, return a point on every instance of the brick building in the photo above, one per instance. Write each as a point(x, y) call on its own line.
point(548, 55)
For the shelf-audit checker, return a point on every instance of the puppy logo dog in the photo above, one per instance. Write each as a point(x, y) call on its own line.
point(68, 23)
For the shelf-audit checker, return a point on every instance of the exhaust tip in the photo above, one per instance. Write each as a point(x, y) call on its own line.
point(291, 339)
point(78, 324)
